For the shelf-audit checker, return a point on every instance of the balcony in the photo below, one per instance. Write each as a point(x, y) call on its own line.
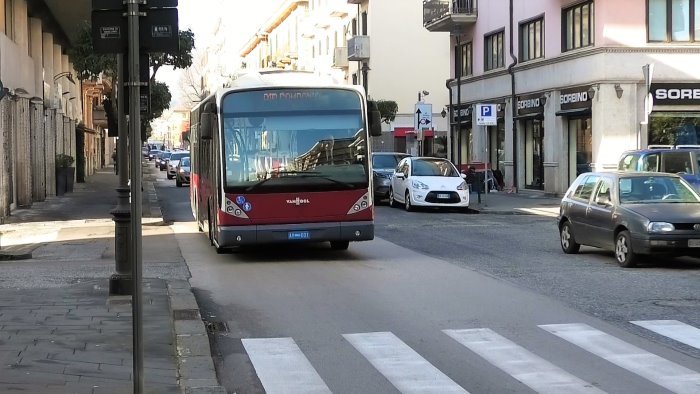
point(340, 57)
point(358, 48)
point(448, 15)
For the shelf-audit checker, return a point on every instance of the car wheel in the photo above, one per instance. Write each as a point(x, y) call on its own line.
point(568, 242)
point(392, 201)
point(407, 202)
point(340, 245)
point(624, 254)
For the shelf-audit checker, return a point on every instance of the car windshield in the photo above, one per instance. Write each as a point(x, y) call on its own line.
point(386, 162)
point(165, 155)
point(656, 189)
point(185, 162)
point(433, 167)
point(179, 155)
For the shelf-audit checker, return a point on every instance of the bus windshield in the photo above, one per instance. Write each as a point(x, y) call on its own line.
point(291, 140)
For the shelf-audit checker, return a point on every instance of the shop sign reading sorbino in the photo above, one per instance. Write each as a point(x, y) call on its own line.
point(676, 93)
point(530, 104)
point(575, 101)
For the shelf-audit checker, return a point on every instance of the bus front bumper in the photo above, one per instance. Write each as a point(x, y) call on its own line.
point(295, 233)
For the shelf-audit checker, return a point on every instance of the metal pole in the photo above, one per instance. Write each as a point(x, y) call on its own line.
point(121, 282)
point(458, 74)
point(136, 209)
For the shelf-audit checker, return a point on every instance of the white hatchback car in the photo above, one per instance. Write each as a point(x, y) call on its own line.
point(428, 182)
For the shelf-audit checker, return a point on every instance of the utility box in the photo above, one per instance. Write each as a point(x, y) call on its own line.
point(358, 48)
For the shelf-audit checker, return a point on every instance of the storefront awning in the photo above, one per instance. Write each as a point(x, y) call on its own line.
point(574, 112)
point(537, 115)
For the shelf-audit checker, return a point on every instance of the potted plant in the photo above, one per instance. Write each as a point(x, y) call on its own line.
point(65, 173)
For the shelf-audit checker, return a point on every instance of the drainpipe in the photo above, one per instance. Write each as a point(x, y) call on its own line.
point(513, 101)
point(458, 71)
point(449, 122)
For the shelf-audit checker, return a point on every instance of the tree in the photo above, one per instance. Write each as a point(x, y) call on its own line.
point(90, 65)
point(388, 109)
point(180, 59)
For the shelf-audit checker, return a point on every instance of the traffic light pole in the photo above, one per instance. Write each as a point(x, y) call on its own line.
point(134, 84)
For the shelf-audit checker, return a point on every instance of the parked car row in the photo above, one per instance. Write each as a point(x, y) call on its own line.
point(649, 207)
point(175, 163)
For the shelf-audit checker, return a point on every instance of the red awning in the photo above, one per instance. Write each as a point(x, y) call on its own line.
point(402, 131)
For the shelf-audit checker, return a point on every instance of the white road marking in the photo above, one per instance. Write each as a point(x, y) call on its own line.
point(673, 329)
point(282, 367)
point(656, 369)
point(401, 365)
point(528, 368)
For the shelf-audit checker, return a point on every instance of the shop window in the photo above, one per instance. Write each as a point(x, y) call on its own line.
point(493, 51)
point(674, 128)
point(577, 26)
point(673, 20)
point(463, 55)
point(532, 40)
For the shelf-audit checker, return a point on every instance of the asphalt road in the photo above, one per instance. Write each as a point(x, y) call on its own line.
point(439, 302)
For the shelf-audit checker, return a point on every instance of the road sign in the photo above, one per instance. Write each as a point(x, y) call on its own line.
point(486, 115)
point(423, 116)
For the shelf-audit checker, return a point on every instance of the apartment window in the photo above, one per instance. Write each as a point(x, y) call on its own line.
point(493, 51)
point(532, 40)
point(364, 23)
point(9, 19)
point(354, 26)
point(577, 26)
point(463, 55)
point(673, 20)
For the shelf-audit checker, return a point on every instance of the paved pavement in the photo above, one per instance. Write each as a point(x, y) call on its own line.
point(61, 332)
point(525, 202)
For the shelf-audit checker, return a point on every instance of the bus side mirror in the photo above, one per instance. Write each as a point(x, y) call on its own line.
point(375, 119)
point(206, 120)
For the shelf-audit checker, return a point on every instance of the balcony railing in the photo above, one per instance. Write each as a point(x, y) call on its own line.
point(446, 15)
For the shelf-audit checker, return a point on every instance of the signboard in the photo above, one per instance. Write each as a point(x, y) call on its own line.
point(462, 114)
point(530, 104)
point(158, 31)
point(423, 116)
point(486, 115)
point(675, 93)
point(575, 98)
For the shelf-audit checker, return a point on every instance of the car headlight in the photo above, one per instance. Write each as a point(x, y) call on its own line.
point(660, 227)
point(462, 186)
point(419, 185)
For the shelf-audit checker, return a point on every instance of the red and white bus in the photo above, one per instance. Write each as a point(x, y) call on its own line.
point(283, 156)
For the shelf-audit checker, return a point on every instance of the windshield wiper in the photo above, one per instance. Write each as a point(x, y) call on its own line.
point(299, 174)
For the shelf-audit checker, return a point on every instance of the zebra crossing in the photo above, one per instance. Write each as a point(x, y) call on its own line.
point(282, 366)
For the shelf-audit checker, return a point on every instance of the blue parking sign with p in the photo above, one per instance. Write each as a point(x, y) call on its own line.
point(486, 110)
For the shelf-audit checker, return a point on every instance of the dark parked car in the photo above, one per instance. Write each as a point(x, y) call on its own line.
point(162, 162)
point(683, 160)
point(182, 172)
point(153, 154)
point(383, 166)
point(632, 213)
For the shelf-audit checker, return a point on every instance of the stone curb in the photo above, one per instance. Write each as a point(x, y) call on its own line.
point(17, 252)
point(195, 364)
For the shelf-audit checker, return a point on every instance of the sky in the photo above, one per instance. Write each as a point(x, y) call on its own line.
point(243, 18)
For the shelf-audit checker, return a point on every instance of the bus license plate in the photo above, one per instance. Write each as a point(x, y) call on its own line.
point(694, 243)
point(443, 195)
point(292, 235)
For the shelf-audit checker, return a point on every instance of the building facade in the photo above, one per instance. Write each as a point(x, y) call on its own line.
point(568, 77)
point(394, 58)
point(41, 112)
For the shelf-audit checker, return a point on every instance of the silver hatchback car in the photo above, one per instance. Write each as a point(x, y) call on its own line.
point(633, 214)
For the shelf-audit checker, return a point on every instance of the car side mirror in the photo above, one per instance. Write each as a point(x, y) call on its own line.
point(463, 175)
point(400, 175)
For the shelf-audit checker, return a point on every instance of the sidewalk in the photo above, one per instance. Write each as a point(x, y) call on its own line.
point(61, 332)
point(525, 202)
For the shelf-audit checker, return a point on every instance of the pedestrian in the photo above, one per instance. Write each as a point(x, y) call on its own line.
point(114, 160)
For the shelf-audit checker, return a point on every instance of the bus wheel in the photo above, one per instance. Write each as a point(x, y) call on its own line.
point(340, 245)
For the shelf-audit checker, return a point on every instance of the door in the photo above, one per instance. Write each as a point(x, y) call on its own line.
point(577, 207)
point(399, 185)
point(600, 215)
